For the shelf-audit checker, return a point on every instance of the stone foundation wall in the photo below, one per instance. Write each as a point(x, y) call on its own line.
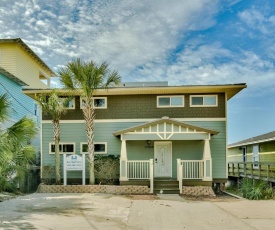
point(198, 191)
point(111, 189)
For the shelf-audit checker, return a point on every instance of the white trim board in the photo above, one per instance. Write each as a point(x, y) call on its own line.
point(135, 120)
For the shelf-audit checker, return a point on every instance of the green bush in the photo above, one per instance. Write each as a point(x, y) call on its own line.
point(7, 186)
point(256, 189)
point(106, 169)
point(48, 174)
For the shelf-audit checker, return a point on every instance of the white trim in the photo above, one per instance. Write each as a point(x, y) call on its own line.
point(203, 96)
point(170, 106)
point(252, 142)
point(41, 145)
point(105, 104)
point(95, 143)
point(62, 143)
point(136, 120)
point(226, 136)
point(155, 149)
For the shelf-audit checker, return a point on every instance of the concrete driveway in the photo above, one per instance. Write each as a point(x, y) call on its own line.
point(103, 211)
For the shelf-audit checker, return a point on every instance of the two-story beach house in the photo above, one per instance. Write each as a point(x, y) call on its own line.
point(161, 133)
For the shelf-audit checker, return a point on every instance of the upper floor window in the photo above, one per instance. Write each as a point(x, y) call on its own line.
point(99, 147)
point(69, 104)
point(63, 148)
point(170, 101)
point(203, 100)
point(98, 103)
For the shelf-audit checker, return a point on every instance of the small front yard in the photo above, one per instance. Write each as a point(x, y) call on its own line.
point(252, 189)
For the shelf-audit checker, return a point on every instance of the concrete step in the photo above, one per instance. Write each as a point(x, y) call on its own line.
point(166, 191)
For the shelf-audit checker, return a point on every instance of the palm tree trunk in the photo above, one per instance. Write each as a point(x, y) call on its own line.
point(56, 130)
point(89, 116)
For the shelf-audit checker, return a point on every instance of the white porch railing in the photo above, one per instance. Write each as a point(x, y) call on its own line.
point(138, 169)
point(192, 169)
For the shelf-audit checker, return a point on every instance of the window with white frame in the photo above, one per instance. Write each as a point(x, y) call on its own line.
point(98, 103)
point(63, 148)
point(170, 101)
point(203, 100)
point(69, 104)
point(99, 147)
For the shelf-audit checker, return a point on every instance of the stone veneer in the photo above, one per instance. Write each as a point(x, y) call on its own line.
point(126, 189)
point(198, 191)
point(112, 189)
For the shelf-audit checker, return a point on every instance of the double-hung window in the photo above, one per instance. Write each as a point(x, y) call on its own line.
point(98, 103)
point(170, 101)
point(63, 148)
point(203, 100)
point(99, 147)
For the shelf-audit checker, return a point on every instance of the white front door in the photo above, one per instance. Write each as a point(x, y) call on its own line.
point(256, 155)
point(163, 159)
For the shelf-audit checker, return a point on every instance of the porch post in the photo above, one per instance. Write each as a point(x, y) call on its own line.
point(207, 175)
point(179, 174)
point(151, 175)
point(123, 162)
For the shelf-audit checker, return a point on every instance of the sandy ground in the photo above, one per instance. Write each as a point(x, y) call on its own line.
point(103, 211)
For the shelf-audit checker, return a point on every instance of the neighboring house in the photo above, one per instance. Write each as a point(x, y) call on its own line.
point(18, 59)
point(21, 68)
point(256, 153)
point(168, 133)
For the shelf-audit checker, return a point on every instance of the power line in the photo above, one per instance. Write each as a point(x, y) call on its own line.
point(18, 101)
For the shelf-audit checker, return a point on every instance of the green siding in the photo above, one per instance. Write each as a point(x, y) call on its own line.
point(217, 146)
point(145, 106)
point(266, 154)
point(139, 150)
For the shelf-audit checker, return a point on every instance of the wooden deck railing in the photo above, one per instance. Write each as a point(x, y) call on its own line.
point(256, 170)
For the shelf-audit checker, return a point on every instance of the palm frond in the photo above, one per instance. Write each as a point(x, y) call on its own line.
point(4, 107)
point(22, 131)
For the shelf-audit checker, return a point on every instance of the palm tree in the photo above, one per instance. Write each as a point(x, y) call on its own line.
point(87, 78)
point(15, 149)
point(55, 106)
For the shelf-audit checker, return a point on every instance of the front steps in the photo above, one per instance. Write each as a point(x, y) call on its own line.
point(166, 186)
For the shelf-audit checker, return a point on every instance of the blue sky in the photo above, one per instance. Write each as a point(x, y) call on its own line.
point(183, 42)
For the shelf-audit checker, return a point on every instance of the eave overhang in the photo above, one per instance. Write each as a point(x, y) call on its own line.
point(12, 77)
point(229, 90)
point(27, 49)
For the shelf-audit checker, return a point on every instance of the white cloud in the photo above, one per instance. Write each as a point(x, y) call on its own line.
point(139, 38)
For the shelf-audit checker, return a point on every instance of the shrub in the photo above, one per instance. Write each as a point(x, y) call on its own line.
point(48, 174)
point(256, 189)
point(106, 169)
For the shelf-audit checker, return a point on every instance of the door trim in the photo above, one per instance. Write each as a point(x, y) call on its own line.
point(156, 143)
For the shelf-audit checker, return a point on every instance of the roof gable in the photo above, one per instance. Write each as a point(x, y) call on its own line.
point(165, 128)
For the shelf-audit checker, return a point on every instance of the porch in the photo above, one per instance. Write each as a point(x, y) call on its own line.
point(175, 154)
point(189, 173)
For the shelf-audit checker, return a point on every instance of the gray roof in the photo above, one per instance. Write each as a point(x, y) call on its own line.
point(12, 77)
point(254, 140)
